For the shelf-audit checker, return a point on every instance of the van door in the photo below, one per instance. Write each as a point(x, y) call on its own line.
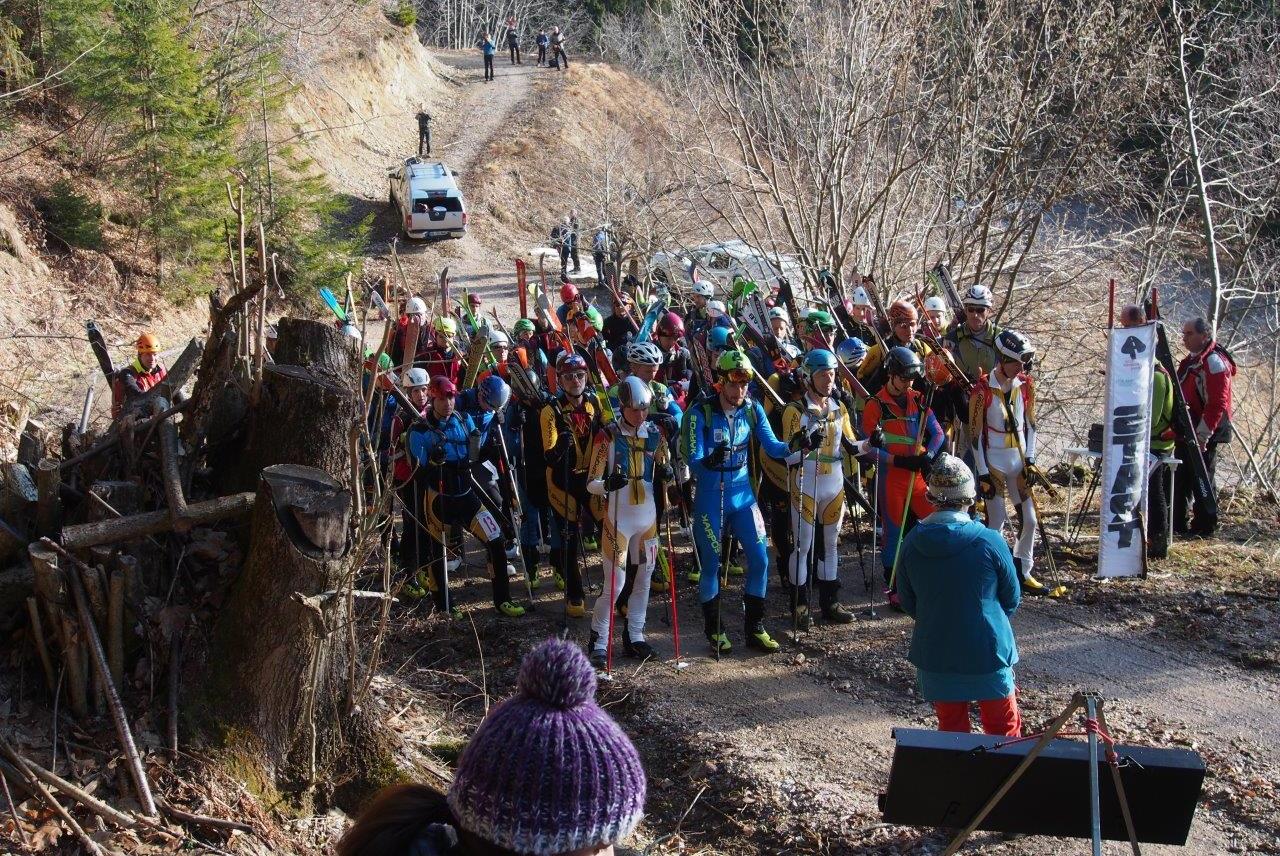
point(436, 214)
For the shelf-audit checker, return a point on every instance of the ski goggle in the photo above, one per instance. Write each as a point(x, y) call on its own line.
point(737, 376)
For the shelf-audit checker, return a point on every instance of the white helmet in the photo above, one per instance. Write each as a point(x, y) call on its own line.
point(351, 330)
point(644, 353)
point(414, 378)
point(415, 306)
point(716, 308)
point(497, 337)
point(978, 295)
point(777, 312)
point(935, 304)
point(633, 392)
point(860, 297)
point(704, 288)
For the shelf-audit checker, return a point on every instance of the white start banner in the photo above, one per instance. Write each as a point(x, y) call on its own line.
point(1125, 448)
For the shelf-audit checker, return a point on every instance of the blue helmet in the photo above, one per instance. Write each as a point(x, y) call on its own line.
point(718, 338)
point(493, 392)
point(851, 351)
point(817, 360)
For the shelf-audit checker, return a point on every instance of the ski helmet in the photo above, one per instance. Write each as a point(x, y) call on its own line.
point(904, 362)
point(442, 387)
point(821, 319)
point(494, 392)
point(499, 339)
point(633, 392)
point(900, 312)
point(473, 299)
point(415, 306)
point(935, 304)
point(414, 378)
point(733, 361)
point(523, 326)
point(817, 360)
point(644, 353)
point(718, 338)
point(594, 317)
point(670, 324)
point(446, 325)
point(568, 293)
point(568, 361)
point(860, 297)
point(950, 481)
point(777, 312)
point(716, 308)
point(1014, 346)
point(148, 343)
point(351, 331)
point(851, 351)
point(704, 288)
point(978, 295)
point(790, 353)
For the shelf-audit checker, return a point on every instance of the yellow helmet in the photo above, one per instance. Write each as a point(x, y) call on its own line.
point(446, 325)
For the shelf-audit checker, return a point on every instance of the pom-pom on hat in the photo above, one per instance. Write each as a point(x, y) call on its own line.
point(548, 771)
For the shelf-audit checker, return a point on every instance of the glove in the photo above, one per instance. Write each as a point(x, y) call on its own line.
point(718, 455)
point(615, 481)
point(664, 473)
point(814, 440)
point(437, 455)
point(986, 487)
point(1168, 434)
point(1202, 435)
point(876, 440)
point(914, 463)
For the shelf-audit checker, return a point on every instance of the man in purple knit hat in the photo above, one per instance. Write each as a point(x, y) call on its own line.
point(548, 773)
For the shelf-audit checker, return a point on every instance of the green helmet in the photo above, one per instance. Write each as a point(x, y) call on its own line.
point(593, 315)
point(522, 326)
point(733, 361)
point(821, 318)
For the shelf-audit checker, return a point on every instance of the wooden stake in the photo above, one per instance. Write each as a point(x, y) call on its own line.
point(77, 678)
point(99, 659)
point(115, 626)
point(48, 503)
point(37, 636)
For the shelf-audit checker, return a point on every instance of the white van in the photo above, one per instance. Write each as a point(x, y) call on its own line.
point(428, 200)
point(721, 262)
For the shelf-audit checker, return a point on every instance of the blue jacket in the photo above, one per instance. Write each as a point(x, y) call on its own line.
point(699, 437)
point(957, 580)
point(489, 48)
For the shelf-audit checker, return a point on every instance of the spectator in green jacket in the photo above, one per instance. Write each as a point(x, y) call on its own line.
point(1159, 474)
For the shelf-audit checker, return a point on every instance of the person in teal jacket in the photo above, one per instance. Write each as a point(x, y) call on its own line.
point(957, 580)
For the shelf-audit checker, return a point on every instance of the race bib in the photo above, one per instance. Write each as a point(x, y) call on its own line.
point(758, 518)
point(488, 525)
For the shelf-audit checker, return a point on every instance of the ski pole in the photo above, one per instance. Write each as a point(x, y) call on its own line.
point(675, 611)
point(875, 523)
point(795, 559)
point(613, 578)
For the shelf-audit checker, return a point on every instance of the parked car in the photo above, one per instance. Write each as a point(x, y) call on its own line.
point(427, 197)
point(721, 262)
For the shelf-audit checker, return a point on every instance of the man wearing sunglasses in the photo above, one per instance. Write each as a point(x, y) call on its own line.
point(717, 434)
point(973, 343)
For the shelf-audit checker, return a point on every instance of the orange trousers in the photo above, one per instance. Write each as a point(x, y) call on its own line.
point(999, 716)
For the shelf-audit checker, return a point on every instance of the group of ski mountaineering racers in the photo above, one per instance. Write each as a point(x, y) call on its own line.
point(739, 421)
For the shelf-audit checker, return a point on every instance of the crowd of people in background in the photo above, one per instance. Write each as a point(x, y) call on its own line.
point(552, 41)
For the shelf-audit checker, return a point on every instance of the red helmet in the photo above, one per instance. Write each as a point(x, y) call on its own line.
point(473, 299)
point(671, 325)
point(568, 292)
point(441, 387)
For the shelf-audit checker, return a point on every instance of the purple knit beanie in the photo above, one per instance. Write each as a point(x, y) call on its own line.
point(548, 771)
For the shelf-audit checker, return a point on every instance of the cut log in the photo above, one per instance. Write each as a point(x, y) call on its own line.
point(170, 469)
point(141, 525)
point(319, 347)
point(48, 501)
point(31, 449)
point(282, 680)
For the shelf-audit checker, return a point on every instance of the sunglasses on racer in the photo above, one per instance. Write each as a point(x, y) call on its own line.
point(738, 376)
point(574, 375)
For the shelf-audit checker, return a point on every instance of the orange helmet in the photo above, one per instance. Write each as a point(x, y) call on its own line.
point(900, 311)
point(148, 343)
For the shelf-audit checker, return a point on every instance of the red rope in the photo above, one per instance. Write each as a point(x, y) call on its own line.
point(1091, 726)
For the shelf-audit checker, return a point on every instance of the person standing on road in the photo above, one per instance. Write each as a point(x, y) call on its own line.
point(1205, 378)
point(424, 133)
point(489, 49)
point(543, 41)
point(957, 581)
point(558, 57)
point(513, 40)
point(599, 253)
point(563, 236)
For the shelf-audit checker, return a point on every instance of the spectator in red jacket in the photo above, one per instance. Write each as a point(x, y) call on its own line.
point(1205, 378)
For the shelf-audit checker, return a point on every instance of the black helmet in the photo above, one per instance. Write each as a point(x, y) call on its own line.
point(1014, 346)
point(904, 362)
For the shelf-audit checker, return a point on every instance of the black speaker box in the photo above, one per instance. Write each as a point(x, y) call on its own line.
point(943, 778)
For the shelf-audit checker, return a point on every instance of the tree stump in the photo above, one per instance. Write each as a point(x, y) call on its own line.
point(279, 663)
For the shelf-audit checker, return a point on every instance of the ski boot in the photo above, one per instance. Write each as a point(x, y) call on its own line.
point(575, 608)
point(640, 650)
point(801, 618)
point(530, 555)
point(716, 636)
point(833, 611)
point(757, 636)
point(511, 608)
point(596, 652)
